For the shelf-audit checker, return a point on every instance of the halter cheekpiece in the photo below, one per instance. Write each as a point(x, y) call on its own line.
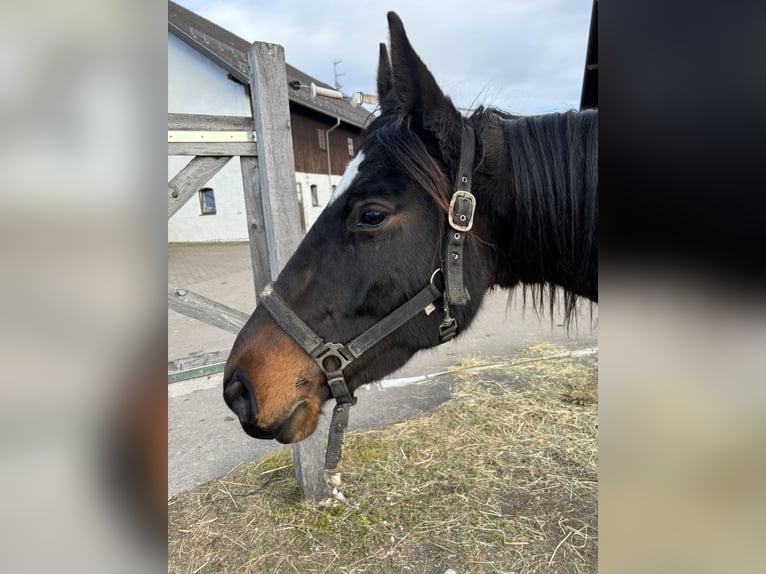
point(333, 358)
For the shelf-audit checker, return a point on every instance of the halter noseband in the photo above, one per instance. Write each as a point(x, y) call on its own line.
point(333, 358)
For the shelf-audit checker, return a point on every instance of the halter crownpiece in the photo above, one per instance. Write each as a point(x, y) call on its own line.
point(462, 208)
point(333, 358)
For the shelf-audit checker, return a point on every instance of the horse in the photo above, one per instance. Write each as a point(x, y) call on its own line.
point(434, 211)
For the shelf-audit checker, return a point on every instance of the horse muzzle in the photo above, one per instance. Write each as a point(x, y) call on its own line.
point(294, 426)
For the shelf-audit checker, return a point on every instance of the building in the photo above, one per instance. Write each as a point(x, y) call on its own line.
point(208, 74)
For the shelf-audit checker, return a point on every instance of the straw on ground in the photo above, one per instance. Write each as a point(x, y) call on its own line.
point(501, 478)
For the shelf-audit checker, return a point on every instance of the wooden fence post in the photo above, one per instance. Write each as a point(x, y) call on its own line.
point(281, 219)
point(256, 228)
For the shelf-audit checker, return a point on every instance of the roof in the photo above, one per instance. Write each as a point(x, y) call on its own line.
point(230, 52)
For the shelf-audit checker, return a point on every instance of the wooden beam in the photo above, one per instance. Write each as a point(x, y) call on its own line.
point(276, 173)
point(196, 372)
point(259, 252)
point(208, 136)
point(271, 110)
point(208, 123)
point(213, 149)
point(192, 177)
point(206, 310)
point(196, 361)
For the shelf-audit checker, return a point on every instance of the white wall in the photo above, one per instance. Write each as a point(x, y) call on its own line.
point(198, 86)
point(324, 191)
point(229, 222)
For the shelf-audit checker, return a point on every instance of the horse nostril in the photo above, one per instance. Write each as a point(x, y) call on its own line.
point(238, 394)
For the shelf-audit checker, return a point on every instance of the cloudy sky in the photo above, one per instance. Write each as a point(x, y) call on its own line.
point(519, 55)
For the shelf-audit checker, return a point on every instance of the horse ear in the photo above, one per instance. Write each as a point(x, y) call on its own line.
point(417, 94)
point(385, 80)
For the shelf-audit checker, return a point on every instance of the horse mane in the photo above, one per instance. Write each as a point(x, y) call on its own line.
point(551, 198)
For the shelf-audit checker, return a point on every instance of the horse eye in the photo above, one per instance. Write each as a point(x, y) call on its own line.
point(372, 218)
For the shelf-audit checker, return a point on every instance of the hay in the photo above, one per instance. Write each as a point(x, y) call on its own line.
point(501, 478)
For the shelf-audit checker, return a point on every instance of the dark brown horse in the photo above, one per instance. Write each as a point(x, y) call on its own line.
point(397, 241)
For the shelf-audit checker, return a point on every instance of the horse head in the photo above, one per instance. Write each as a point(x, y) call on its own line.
point(378, 242)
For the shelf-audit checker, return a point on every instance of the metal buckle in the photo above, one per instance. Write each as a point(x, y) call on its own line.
point(464, 221)
point(332, 350)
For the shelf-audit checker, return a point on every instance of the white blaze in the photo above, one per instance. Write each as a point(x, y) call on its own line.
point(352, 169)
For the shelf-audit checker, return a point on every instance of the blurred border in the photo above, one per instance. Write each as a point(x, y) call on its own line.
point(83, 245)
point(681, 315)
point(82, 253)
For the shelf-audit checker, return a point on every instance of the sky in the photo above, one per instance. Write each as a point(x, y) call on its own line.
point(523, 56)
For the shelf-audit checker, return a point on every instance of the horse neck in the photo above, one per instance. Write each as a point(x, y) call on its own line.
point(539, 181)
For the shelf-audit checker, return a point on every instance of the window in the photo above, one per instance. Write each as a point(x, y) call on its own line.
point(299, 189)
point(322, 140)
point(206, 201)
point(351, 147)
point(314, 196)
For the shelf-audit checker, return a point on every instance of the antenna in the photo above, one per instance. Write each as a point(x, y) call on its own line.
point(338, 85)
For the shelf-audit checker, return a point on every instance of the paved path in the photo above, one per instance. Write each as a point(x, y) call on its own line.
point(204, 438)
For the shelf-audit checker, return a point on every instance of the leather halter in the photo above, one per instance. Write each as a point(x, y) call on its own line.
point(333, 358)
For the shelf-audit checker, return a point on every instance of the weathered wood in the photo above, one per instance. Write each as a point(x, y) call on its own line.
point(196, 372)
point(210, 136)
point(259, 253)
point(271, 110)
point(188, 181)
point(213, 149)
point(276, 173)
point(308, 132)
point(201, 360)
point(206, 122)
point(206, 310)
point(308, 459)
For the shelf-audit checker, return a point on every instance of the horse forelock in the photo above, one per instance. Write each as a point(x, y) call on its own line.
point(409, 155)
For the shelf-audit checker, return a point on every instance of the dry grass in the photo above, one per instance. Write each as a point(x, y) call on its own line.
point(502, 478)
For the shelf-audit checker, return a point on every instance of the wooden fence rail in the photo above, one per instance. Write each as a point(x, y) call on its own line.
point(206, 310)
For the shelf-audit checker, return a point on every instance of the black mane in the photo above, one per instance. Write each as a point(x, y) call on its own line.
point(545, 188)
point(550, 201)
